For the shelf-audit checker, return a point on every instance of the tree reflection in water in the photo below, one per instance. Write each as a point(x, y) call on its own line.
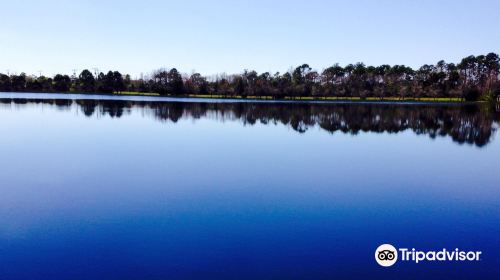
point(472, 124)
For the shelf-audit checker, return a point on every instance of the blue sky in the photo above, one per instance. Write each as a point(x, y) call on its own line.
point(229, 36)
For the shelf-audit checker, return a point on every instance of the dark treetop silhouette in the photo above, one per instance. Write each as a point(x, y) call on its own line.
point(469, 123)
point(474, 78)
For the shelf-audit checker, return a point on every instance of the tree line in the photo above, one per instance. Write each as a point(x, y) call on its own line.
point(475, 77)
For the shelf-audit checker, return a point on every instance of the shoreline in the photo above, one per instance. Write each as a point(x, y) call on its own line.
point(133, 96)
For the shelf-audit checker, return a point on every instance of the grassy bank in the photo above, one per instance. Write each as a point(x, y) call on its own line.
point(337, 98)
point(307, 98)
point(287, 98)
point(136, 93)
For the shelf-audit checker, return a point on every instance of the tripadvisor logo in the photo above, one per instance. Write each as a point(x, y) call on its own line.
point(387, 255)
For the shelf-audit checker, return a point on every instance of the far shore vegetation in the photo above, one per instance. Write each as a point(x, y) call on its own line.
point(474, 78)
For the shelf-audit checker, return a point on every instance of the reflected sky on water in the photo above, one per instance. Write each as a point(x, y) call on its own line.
point(222, 190)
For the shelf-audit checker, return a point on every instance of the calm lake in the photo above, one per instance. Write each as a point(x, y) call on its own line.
point(152, 188)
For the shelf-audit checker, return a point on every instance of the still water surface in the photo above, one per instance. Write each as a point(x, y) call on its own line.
point(150, 188)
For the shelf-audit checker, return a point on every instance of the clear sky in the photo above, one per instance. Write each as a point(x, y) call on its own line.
point(229, 36)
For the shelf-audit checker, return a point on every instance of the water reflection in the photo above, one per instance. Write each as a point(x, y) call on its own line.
point(471, 124)
point(190, 189)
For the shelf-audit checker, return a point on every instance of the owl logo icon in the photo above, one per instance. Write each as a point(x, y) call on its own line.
point(386, 255)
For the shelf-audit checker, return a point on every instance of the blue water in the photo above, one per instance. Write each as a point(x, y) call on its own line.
point(182, 189)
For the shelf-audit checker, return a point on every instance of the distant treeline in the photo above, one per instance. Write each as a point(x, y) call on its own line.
point(474, 78)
